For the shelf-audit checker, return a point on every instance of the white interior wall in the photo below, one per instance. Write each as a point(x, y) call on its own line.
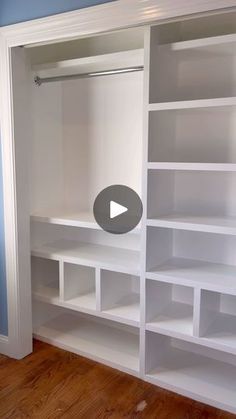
point(199, 193)
point(43, 233)
point(87, 136)
point(102, 132)
point(206, 135)
point(46, 148)
point(216, 248)
point(203, 193)
point(193, 135)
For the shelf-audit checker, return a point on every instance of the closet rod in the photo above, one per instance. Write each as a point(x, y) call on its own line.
point(40, 80)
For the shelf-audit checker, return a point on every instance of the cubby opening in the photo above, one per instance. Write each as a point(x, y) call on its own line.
point(201, 135)
point(169, 307)
point(218, 318)
point(191, 370)
point(120, 296)
point(45, 278)
point(79, 286)
point(193, 60)
point(102, 340)
point(183, 194)
point(191, 75)
point(192, 258)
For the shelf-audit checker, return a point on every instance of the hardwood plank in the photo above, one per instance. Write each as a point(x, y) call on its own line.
point(52, 383)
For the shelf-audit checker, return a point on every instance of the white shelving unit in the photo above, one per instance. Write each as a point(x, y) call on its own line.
point(190, 271)
point(159, 302)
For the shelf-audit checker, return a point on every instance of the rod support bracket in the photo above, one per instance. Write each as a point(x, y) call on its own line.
point(37, 81)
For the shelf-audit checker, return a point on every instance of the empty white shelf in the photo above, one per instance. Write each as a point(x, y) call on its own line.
point(209, 276)
point(74, 219)
point(209, 224)
point(217, 167)
point(102, 62)
point(220, 45)
point(123, 260)
point(198, 103)
point(197, 376)
point(99, 341)
point(176, 317)
point(127, 308)
point(86, 301)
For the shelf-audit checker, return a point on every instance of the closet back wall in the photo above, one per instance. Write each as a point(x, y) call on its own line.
point(13, 11)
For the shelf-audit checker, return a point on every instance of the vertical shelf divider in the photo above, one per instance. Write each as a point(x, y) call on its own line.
point(61, 281)
point(196, 312)
point(146, 75)
point(98, 289)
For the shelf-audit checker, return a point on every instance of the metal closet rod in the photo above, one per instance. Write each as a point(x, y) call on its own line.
point(40, 80)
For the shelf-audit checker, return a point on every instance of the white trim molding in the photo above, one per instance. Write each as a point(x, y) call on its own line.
point(106, 17)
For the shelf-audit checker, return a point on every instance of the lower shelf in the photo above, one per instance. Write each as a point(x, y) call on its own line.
point(87, 301)
point(48, 292)
point(194, 375)
point(126, 308)
point(177, 317)
point(98, 340)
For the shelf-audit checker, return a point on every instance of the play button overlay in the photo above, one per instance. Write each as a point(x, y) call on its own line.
point(118, 209)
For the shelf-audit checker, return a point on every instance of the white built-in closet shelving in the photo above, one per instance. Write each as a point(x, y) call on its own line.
point(159, 302)
point(190, 282)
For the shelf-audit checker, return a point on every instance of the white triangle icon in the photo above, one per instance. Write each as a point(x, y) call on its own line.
point(116, 209)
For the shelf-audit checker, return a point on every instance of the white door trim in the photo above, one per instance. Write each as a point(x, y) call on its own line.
point(102, 18)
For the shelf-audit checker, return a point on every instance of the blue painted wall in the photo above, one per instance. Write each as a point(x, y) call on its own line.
point(14, 11)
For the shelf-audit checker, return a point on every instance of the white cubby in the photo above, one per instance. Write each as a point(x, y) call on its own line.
point(169, 307)
point(198, 135)
point(183, 70)
point(79, 286)
point(218, 318)
point(120, 296)
point(192, 193)
point(102, 340)
point(45, 278)
point(195, 371)
point(192, 258)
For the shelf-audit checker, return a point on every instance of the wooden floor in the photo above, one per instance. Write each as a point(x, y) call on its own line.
point(52, 383)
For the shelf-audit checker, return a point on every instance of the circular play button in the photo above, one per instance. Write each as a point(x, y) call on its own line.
point(118, 209)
